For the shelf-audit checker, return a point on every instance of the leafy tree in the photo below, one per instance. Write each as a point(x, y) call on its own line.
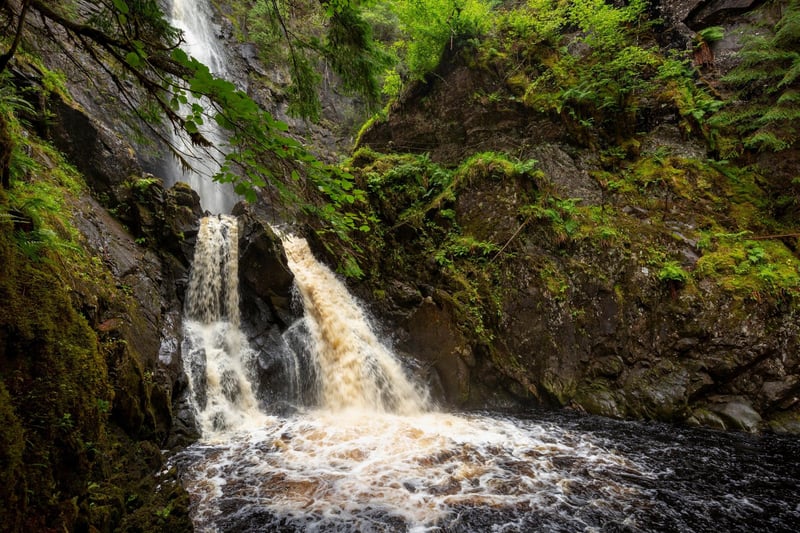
point(306, 33)
point(130, 40)
point(430, 26)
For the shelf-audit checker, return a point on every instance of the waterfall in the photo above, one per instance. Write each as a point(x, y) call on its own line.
point(216, 354)
point(366, 454)
point(193, 18)
point(354, 369)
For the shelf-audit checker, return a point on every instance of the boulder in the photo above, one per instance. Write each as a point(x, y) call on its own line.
point(264, 272)
point(737, 413)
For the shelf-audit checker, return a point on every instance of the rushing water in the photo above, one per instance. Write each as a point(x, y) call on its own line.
point(215, 351)
point(366, 452)
point(193, 18)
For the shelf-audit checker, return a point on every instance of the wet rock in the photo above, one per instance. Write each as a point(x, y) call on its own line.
point(716, 12)
point(166, 219)
point(263, 269)
point(785, 422)
point(431, 336)
point(738, 413)
point(704, 417)
point(596, 398)
point(489, 210)
point(565, 174)
point(668, 138)
point(658, 393)
point(404, 294)
point(101, 155)
point(774, 392)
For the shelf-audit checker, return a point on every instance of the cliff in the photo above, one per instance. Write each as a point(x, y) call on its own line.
point(550, 223)
point(538, 244)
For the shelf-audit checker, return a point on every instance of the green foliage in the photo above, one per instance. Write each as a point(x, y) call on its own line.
point(672, 272)
point(352, 53)
point(431, 26)
point(302, 35)
point(594, 78)
point(695, 104)
point(494, 165)
point(711, 34)
point(460, 246)
point(752, 269)
point(562, 214)
point(766, 114)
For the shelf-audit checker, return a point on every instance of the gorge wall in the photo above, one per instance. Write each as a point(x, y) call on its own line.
point(628, 279)
point(605, 276)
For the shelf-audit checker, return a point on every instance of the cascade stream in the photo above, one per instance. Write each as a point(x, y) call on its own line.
point(193, 18)
point(363, 450)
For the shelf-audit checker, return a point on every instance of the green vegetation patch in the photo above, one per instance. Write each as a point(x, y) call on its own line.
point(752, 268)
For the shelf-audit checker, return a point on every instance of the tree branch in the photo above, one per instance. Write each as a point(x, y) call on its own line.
point(5, 58)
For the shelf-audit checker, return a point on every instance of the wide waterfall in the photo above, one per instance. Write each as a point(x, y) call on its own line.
point(354, 370)
point(193, 18)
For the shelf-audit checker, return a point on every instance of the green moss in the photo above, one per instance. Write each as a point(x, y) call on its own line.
point(57, 444)
point(752, 269)
point(12, 446)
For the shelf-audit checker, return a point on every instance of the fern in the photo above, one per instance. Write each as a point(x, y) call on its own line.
point(790, 98)
point(766, 141)
point(780, 113)
point(792, 74)
point(767, 78)
point(787, 33)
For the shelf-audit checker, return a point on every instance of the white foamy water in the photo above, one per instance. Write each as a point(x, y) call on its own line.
point(193, 18)
point(371, 456)
point(367, 471)
point(215, 351)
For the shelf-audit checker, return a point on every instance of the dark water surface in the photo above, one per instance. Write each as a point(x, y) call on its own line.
point(476, 472)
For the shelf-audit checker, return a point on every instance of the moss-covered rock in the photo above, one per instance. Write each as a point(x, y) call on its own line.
point(84, 406)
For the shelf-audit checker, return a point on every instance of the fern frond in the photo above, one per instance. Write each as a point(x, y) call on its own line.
point(792, 74)
point(767, 141)
point(789, 97)
point(759, 56)
point(788, 29)
point(780, 113)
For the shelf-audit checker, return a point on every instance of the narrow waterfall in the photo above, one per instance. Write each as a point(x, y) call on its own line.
point(215, 351)
point(193, 17)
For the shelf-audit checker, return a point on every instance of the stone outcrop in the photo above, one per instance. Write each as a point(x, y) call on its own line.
point(443, 124)
point(266, 301)
point(579, 323)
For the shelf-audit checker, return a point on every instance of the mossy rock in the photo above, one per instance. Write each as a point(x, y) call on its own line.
point(787, 422)
point(738, 413)
point(598, 399)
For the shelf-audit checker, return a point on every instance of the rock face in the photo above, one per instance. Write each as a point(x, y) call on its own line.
point(266, 287)
point(445, 126)
point(580, 322)
point(97, 151)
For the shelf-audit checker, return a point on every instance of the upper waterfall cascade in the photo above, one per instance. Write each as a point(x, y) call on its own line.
point(193, 18)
